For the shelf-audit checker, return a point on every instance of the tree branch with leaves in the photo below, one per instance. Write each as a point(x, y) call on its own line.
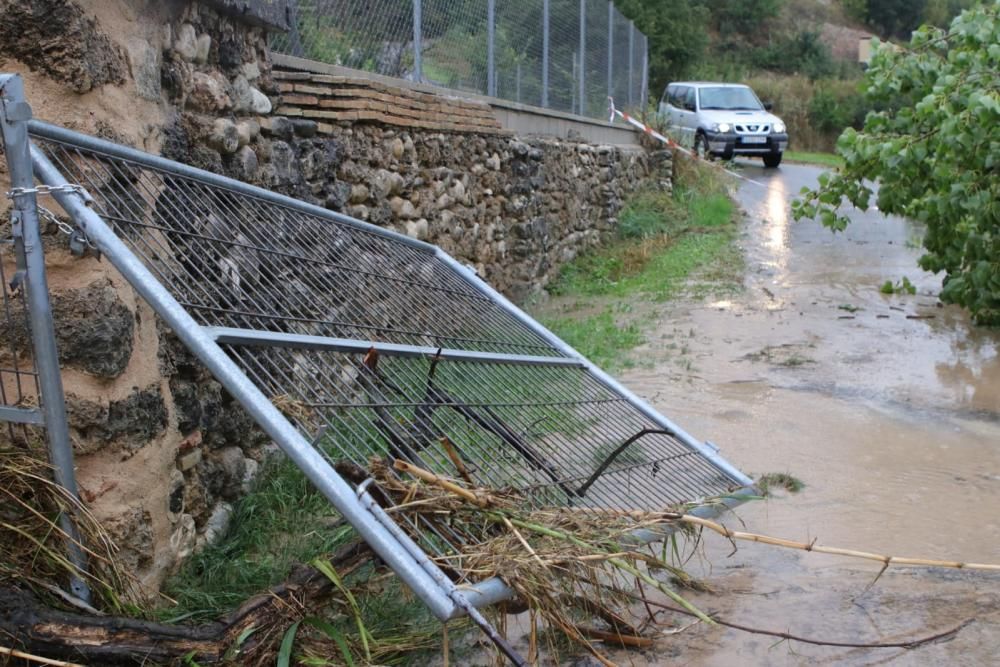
point(934, 152)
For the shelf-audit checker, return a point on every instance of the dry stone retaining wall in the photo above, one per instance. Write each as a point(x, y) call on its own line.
point(162, 450)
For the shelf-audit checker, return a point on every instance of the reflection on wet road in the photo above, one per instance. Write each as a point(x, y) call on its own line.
point(886, 406)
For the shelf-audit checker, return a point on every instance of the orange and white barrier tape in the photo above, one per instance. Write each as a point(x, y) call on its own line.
point(668, 141)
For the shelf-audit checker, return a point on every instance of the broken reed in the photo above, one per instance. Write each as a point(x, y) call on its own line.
point(574, 570)
point(577, 567)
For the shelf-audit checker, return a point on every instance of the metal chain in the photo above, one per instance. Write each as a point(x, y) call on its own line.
point(78, 238)
point(43, 190)
point(75, 233)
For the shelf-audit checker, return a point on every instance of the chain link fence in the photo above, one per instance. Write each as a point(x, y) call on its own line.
point(567, 55)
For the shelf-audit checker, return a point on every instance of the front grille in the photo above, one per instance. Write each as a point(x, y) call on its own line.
point(754, 128)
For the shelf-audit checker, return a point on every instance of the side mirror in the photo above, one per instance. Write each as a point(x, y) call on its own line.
point(768, 106)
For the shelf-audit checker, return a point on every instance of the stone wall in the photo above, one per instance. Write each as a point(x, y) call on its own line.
point(162, 450)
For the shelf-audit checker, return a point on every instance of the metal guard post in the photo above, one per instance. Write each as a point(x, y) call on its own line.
point(14, 122)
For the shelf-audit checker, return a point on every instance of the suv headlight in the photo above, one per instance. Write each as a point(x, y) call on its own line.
point(721, 127)
point(778, 126)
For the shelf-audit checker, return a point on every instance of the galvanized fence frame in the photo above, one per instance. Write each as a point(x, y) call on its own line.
point(602, 52)
point(29, 287)
point(399, 551)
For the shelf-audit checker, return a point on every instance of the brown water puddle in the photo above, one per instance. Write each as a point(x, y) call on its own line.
point(887, 407)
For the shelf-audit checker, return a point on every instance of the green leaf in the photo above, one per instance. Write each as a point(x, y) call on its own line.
point(285, 651)
point(324, 566)
point(336, 635)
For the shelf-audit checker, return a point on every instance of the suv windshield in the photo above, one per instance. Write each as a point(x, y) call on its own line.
point(729, 98)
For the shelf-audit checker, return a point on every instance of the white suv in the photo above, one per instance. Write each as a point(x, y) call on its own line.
point(723, 119)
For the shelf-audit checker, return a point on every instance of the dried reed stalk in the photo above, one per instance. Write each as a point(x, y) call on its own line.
point(14, 653)
point(715, 526)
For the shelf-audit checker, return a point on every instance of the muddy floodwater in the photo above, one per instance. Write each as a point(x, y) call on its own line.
point(887, 407)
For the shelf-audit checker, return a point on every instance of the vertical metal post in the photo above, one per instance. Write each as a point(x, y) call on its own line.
point(545, 53)
point(611, 47)
point(631, 60)
point(583, 56)
point(645, 71)
point(491, 27)
point(14, 125)
point(295, 46)
point(418, 62)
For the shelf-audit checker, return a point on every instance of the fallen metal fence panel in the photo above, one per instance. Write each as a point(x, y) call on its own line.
point(347, 342)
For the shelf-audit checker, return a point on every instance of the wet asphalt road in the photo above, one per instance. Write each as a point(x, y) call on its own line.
point(886, 406)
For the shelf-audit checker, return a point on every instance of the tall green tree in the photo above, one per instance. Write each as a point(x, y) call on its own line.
point(935, 154)
point(678, 36)
point(891, 18)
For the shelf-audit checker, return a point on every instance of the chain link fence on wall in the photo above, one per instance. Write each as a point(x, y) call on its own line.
point(568, 55)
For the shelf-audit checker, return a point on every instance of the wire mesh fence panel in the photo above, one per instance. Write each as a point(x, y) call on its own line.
point(519, 51)
point(454, 39)
point(19, 390)
point(237, 261)
point(536, 52)
point(375, 36)
point(595, 58)
point(376, 347)
point(620, 54)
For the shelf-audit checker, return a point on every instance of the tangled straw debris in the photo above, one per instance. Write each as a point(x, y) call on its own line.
point(33, 546)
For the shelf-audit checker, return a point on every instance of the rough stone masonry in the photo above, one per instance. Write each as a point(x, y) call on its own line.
point(162, 451)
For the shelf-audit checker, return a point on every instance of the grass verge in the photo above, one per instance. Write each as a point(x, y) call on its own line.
point(283, 522)
point(821, 159)
point(667, 244)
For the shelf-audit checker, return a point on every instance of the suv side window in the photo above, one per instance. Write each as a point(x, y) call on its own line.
point(668, 95)
point(689, 101)
point(677, 96)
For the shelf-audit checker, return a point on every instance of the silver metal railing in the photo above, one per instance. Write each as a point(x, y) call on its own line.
point(29, 368)
point(381, 344)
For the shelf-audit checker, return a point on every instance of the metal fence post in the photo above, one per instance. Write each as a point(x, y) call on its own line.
point(545, 53)
point(583, 56)
point(491, 27)
point(631, 60)
point(611, 47)
point(14, 124)
point(645, 71)
point(418, 63)
point(294, 36)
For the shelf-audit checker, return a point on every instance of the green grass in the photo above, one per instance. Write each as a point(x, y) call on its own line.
point(821, 159)
point(663, 242)
point(602, 338)
point(283, 522)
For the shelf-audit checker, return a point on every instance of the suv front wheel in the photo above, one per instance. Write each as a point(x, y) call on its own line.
point(772, 160)
point(701, 147)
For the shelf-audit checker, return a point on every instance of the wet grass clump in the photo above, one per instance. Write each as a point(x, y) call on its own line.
point(779, 480)
point(282, 522)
